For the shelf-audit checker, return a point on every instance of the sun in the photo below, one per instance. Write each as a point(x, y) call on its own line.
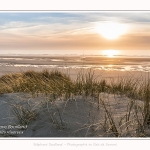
point(110, 53)
point(111, 30)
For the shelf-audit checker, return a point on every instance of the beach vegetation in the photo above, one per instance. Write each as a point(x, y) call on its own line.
point(56, 85)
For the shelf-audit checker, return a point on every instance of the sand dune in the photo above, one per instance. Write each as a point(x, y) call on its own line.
point(80, 117)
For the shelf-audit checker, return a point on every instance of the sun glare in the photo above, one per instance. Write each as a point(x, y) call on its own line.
point(110, 53)
point(110, 30)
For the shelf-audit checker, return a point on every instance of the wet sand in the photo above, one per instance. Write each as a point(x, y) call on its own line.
point(103, 66)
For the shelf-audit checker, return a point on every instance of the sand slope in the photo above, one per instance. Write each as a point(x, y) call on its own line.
point(77, 117)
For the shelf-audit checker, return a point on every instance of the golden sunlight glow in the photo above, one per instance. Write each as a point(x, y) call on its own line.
point(111, 30)
point(110, 53)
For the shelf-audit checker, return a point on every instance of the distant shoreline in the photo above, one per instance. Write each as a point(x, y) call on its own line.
point(76, 62)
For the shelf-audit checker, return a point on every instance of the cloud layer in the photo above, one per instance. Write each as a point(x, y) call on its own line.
point(71, 30)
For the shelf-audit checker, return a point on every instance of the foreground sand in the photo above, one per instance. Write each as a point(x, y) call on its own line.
point(77, 117)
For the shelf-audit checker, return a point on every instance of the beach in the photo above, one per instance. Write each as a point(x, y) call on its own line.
point(109, 67)
point(105, 114)
point(74, 79)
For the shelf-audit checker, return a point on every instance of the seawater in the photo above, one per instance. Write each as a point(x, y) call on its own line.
point(79, 62)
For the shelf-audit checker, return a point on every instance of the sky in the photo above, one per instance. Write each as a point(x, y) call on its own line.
point(93, 32)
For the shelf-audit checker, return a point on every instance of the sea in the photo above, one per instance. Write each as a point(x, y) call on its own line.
point(73, 62)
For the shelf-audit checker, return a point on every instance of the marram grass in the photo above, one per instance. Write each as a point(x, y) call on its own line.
point(58, 83)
